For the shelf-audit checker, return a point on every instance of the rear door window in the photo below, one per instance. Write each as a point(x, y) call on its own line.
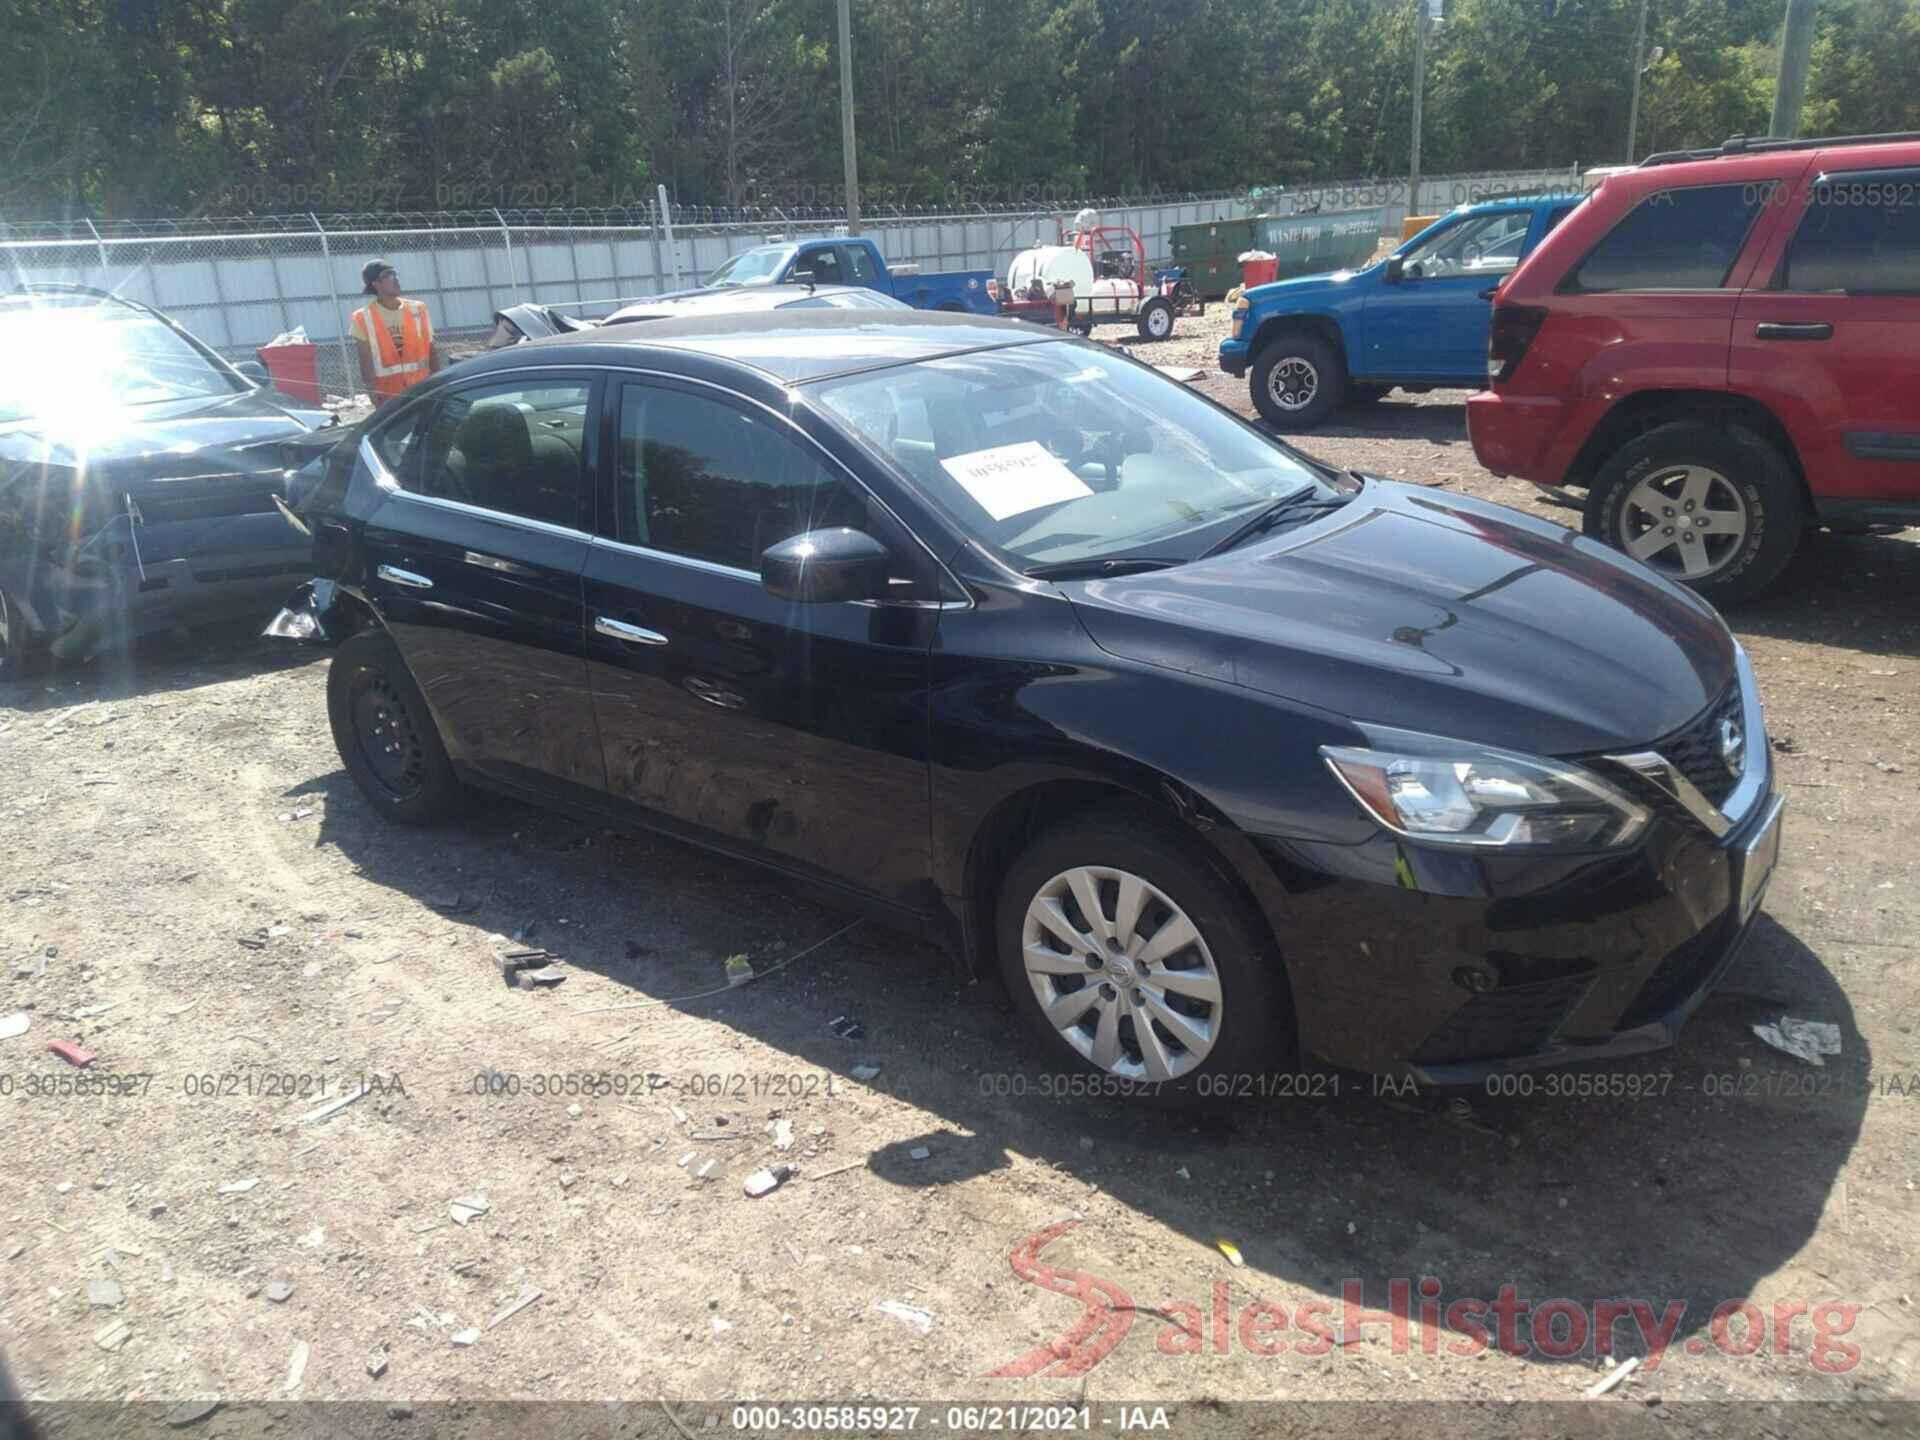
point(1860, 235)
point(516, 449)
point(1675, 240)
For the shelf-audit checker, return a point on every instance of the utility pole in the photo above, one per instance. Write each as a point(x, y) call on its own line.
point(1639, 64)
point(846, 119)
point(1796, 50)
point(1419, 85)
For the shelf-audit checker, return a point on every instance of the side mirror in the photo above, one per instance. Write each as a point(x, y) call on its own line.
point(1396, 270)
point(254, 372)
point(827, 565)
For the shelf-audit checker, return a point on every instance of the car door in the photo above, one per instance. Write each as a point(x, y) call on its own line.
point(1432, 323)
point(857, 267)
point(792, 732)
point(1827, 342)
point(474, 562)
point(824, 262)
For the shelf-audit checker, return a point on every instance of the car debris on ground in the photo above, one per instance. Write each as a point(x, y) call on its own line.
point(766, 1181)
point(1805, 1040)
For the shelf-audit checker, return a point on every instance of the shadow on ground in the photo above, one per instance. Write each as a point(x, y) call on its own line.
point(1686, 1193)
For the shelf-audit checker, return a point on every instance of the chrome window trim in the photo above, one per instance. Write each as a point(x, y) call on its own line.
point(734, 572)
point(1754, 783)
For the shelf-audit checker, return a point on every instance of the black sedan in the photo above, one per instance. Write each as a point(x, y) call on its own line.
point(1220, 755)
point(138, 477)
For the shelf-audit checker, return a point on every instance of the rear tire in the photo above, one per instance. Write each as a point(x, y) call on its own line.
point(1183, 1021)
point(1156, 318)
point(386, 734)
point(1723, 502)
point(1298, 382)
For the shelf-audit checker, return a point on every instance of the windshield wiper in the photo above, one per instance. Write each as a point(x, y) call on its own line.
point(1099, 569)
point(1298, 505)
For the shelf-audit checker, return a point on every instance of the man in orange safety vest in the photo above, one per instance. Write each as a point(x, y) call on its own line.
point(393, 335)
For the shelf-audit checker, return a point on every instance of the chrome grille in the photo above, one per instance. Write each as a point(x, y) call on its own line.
point(1695, 751)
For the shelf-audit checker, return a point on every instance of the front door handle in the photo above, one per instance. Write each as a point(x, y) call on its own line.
point(620, 630)
point(404, 577)
point(1776, 330)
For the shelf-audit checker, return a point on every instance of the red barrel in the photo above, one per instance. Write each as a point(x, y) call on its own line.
point(294, 369)
point(1259, 272)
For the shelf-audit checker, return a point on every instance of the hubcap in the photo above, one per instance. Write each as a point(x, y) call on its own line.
point(385, 731)
point(1686, 521)
point(1122, 973)
point(1292, 384)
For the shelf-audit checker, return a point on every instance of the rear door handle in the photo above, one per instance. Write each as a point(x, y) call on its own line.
point(404, 577)
point(1776, 330)
point(620, 630)
point(1489, 292)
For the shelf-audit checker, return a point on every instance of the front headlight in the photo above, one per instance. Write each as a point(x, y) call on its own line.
point(1240, 308)
point(1444, 792)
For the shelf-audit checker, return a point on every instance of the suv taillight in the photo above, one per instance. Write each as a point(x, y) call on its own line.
point(1514, 327)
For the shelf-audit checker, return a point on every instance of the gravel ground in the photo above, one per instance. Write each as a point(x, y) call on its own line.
point(194, 892)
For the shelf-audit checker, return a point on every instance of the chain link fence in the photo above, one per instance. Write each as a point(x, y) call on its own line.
point(241, 282)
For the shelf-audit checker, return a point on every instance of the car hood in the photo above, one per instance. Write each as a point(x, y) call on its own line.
point(1303, 287)
point(1431, 613)
point(178, 437)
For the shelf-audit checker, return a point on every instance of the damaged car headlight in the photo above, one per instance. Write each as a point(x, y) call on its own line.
point(1445, 792)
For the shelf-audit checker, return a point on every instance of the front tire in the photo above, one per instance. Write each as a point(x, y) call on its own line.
point(1298, 382)
point(1718, 510)
point(1156, 318)
point(18, 655)
point(1131, 959)
point(386, 735)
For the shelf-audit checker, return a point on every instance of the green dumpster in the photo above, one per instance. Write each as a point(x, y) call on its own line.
point(1210, 250)
point(1310, 244)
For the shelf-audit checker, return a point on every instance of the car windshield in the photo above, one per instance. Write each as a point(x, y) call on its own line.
point(1061, 452)
point(753, 267)
point(66, 359)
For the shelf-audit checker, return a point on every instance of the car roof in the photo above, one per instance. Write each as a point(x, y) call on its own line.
point(1501, 203)
point(740, 297)
point(792, 346)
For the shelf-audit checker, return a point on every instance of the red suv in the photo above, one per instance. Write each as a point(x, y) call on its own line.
point(1723, 348)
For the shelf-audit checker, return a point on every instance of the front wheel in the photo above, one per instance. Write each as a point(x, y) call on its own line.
point(1156, 318)
point(1718, 510)
point(386, 735)
point(1297, 382)
point(1131, 958)
point(16, 654)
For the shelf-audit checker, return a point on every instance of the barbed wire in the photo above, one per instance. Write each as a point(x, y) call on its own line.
point(85, 229)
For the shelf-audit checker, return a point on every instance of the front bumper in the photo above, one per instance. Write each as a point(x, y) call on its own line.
point(1551, 963)
point(111, 595)
point(1449, 966)
point(1234, 357)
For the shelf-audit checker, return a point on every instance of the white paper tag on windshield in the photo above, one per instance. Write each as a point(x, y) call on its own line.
point(1012, 479)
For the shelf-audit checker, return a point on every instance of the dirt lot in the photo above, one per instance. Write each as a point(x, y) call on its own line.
point(193, 890)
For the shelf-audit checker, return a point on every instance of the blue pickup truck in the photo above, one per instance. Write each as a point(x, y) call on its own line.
point(852, 260)
point(1416, 319)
